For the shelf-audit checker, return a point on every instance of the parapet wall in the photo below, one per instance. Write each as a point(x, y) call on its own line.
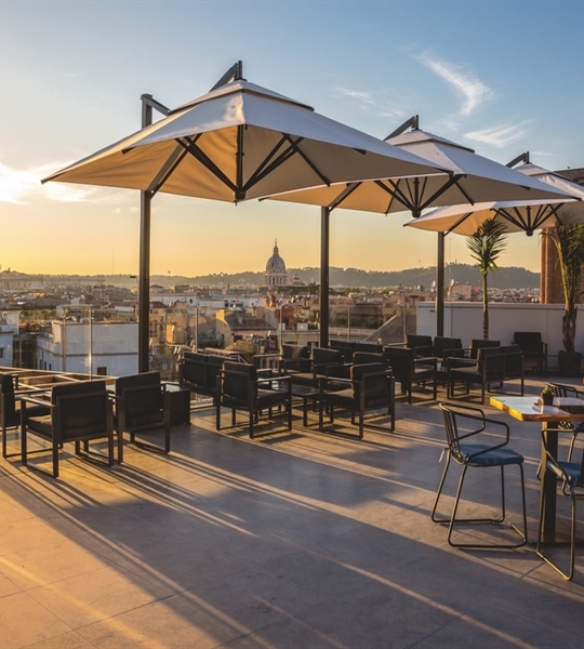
point(465, 320)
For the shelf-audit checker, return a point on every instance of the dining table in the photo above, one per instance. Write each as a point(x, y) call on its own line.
point(530, 409)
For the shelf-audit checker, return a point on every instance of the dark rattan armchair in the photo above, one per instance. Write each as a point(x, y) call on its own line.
point(142, 404)
point(10, 410)
point(240, 388)
point(411, 371)
point(79, 412)
point(371, 387)
point(533, 349)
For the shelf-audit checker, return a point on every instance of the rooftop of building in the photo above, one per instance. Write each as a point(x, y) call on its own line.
point(296, 539)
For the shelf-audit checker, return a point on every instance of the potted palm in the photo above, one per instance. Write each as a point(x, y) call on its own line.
point(485, 246)
point(569, 242)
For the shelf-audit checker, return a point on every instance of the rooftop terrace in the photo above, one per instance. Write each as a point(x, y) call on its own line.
point(294, 540)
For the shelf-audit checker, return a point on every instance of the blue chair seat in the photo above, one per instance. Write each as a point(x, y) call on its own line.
point(572, 469)
point(497, 457)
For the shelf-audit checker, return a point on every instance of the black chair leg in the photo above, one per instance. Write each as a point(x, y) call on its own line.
point(55, 460)
point(566, 575)
point(439, 493)
point(452, 521)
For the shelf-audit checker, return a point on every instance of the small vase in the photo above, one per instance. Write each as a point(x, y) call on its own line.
point(547, 398)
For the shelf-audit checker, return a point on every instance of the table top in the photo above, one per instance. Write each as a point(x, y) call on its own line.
point(530, 408)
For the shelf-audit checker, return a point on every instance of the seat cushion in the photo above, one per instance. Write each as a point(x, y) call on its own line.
point(573, 470)
point(266, 398)
point(40, 425)
point(344, 397)
point(497, 457)
point(303, 378)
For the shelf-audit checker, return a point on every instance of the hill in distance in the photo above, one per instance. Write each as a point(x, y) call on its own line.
point(510, 277)
point(503, 278)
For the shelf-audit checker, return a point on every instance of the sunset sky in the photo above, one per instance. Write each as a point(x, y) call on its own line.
point(500, 77)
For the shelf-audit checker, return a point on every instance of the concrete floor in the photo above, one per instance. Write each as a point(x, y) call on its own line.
point(300, 541)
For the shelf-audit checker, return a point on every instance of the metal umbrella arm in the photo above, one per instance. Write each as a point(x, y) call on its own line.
point(536, 217)
point(188, 145)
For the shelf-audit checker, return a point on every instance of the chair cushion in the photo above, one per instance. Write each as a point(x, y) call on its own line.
point(497, 457)
point(266, 398)
point(344, 397)
point(573, 469)
point(303, 378)
point(41, 426)
point(31, 411)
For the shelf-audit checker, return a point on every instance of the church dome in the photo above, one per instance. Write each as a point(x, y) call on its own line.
point(275, 263)
point(276, 273)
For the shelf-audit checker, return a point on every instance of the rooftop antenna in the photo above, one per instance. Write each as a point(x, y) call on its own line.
point(413, 123)
point(523, 157)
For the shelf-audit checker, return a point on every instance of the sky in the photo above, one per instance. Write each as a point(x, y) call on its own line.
point(501, 77)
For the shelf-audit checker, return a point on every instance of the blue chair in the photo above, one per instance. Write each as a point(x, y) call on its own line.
point(563, 390)
point(571, 475)
point(470, 438)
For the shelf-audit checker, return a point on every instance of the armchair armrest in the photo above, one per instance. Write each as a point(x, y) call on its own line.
point(426, 360)
point(39, 400)
point(337, 370)
point(325, 380)
point(476, 414)
point(453, 362)
point(455, 352)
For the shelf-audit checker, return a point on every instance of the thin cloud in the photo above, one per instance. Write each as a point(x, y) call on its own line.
point(373, 102)
point(466, 84)
point(20, 186)
point(500, 136)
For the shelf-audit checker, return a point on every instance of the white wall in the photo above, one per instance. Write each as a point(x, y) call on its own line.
point(465, 320)
point(112, 345)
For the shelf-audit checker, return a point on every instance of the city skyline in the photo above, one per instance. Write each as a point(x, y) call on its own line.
point(75, 71)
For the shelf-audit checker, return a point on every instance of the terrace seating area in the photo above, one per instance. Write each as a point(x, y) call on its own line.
point(300, 538)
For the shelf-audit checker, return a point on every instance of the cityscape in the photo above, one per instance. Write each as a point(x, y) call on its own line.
point(88, 324)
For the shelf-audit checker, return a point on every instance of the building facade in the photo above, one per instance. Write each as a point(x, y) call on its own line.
point(89, 348)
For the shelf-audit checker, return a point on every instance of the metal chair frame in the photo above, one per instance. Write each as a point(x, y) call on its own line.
point(454, 451)
point(563, 390)
point(572, 476)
